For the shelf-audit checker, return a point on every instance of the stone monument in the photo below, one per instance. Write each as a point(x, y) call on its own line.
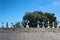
point(38, 24)
point(27, 26)
point(48, 25)
point(6, 24)
point(43, 24)
point(53, 25)
point(2, 24)
point(57, 24)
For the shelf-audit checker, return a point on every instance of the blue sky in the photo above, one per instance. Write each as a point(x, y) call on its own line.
point(13, 10)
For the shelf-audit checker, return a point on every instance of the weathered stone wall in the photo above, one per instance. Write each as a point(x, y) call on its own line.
point(30, 34)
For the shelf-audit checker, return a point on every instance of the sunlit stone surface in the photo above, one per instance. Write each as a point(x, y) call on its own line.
point(30, 34)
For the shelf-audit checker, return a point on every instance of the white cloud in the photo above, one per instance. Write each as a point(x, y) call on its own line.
point(55, 3)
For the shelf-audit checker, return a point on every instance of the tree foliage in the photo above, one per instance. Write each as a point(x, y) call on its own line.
point(17, 25)
point(35, 16)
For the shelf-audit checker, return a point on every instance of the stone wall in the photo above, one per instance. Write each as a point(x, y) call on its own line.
point(30, 34)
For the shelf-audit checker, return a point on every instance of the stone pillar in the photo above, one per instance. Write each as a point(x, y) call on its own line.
point(57, 26)
point(2, 24)
point(11, 25)
point(38, 24)
point(27, 26)
point(6, 24)
point(43, 24)
point(53, 25)
point(48, 25)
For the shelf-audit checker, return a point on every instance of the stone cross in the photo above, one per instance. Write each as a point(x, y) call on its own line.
point(53, 25)
point(57, 25)
point(27, 26)
point(2, 24)
point(38, 24)
point(43, 24)
point(48, 25)
point(6, 24)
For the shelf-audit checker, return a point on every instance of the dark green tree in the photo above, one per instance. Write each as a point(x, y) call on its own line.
point(17, 25)
point(35, 16)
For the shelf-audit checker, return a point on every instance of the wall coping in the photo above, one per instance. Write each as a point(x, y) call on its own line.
point(17, 30)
